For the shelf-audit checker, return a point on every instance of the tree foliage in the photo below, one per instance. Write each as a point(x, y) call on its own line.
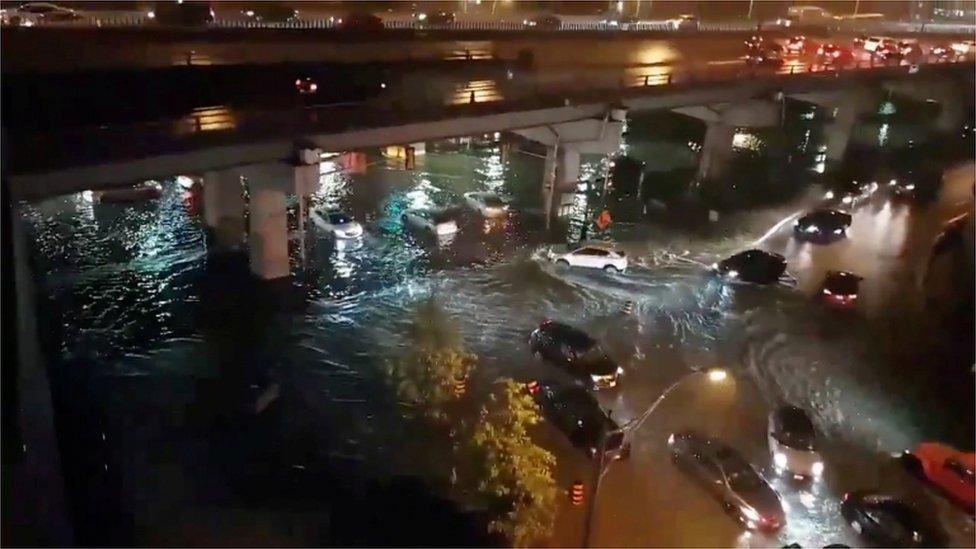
point(433, 372)
point(517, 473)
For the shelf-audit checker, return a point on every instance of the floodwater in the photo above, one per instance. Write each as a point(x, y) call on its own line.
point(198, 402)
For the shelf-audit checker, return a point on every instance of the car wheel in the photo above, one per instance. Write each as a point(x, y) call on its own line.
point(562, 263)
point(610, 269)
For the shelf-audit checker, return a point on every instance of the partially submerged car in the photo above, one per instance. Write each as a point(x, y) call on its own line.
point(755, 266)
point(886, 521)
point(579, 416)
point(576, 352)
point(822, 226)
point(732, 480)
point(840, 289)
point(793, 443)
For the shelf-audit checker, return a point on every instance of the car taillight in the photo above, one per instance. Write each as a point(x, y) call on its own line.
point(533, 387)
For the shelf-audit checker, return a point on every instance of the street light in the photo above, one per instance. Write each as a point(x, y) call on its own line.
point(714, 375)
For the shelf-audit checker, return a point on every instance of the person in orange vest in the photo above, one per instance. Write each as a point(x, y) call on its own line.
point(603, 222)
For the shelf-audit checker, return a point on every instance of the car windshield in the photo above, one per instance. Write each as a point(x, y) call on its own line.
point(795, 429)
point(338, 218)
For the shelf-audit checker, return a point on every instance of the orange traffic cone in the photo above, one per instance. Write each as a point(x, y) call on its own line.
point(576, 493)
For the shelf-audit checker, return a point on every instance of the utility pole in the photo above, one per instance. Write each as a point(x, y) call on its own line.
point(749, 16)
point(857, 7)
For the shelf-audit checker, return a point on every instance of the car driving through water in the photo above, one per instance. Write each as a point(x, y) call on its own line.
point(723, 472)
point(592, 255)
point(755, 266)
point(576, 352)
point(793, 443)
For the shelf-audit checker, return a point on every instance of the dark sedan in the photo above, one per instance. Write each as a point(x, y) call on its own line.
point(888, 522)
point(576, 352)
point(360, 22)
point(822, 226)
point(579, 416)
point(743, 492)
point(840, 289)
point(755, 266)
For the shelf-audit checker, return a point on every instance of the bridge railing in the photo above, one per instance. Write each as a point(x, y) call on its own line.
point(142, 20)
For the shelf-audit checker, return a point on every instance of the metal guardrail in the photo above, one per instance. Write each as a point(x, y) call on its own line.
point(142, 21)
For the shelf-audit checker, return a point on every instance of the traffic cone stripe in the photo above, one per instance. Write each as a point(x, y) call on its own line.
point(576, 493)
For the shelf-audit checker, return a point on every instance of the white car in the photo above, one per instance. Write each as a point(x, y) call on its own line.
point(337, 223)
point(595, 255)
point(872, 43)
point(487, 204)
point(35, 13)
point(685, 22)
point(437, 221)
point(964, 47)
point(793, 444)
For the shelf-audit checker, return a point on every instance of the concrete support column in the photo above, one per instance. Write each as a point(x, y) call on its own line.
point(561, 174)
point(838, 132)
point(223, 208)
point(716, 151)
point(268, 230)
point(568, 168)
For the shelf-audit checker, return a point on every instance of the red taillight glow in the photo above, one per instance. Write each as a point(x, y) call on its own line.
point(533, 387)
point(298, 82)
point(836, 54)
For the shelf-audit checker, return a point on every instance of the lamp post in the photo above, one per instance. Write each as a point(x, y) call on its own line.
point(715, 375)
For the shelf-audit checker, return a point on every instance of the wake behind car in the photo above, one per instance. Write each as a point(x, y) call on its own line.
point(743, 492)
point(486, 203)
point(793, 443)
point(840, 289)
point(822, 226)
point(576, 352)
point(337, 223)
point(884, 520)
point(579, 416)
point(951, 471)
point(594, 255)
point(439, 221)
point(755, 266)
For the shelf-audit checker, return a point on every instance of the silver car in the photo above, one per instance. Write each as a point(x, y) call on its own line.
point(743, 492)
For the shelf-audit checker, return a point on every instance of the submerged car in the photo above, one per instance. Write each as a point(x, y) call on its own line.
point(886, 521)
point(840, 289)
point(486, 203)
point(793, 443)
point(743, 492)
point(951, 471)
point(770, 55)
point(822, 226)
point(576, 352)
point(832, 54)
point(579, 416)
point(796, 45)
point(337, 223)
point(593, 255)
point(755, 266)
point(439, 221)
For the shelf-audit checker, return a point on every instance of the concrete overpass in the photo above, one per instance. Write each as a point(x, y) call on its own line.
point(103, 159)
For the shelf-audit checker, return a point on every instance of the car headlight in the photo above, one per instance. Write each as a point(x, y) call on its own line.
point(749, 512)
point(829, 195)
point(817, 468)
point(620, 370)
point(910, 187)
point(827, 292)
point(811, 229)
point(714, 266)
point(838, 231)
point(732, 274)
point(847, 200)
point(779, 459)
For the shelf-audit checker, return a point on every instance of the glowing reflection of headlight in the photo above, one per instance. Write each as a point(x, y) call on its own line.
point(811, 229)
point(779, 459)
point(838, 231)
point(817, 469)
point(829, 195)
point(847, 200)
point(732, 274)
point(749, 512)
point(620, 370)
point(714, 266)
point(910, 187)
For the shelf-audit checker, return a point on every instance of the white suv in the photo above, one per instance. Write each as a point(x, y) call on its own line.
point(596, 255)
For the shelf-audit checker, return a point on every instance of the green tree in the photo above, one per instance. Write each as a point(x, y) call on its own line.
point(516, 473)
point(433, 373)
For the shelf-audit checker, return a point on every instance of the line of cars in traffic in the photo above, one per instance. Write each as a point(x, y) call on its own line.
point(768, 52)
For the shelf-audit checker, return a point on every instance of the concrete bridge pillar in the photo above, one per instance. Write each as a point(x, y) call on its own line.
point(952, 96)
point(268, 236)
point(721, 122)
point(845, 108)
point(562, 171)
point(223, 208)
point(716, 151)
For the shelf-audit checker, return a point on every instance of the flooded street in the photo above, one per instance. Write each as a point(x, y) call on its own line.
point(195, 391)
